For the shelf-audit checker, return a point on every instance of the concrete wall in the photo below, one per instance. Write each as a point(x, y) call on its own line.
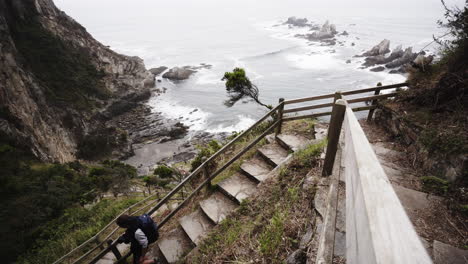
point(377, 227)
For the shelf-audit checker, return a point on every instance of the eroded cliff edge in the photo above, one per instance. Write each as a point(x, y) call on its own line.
point(59, 86)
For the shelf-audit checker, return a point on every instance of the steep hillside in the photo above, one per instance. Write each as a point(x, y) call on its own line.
point(58, 85)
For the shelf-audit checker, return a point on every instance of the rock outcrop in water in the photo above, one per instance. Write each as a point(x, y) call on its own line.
point(327, 31)
point(324, 34)
point(178, 73)
point(380, 49)
point(183, 73)
point(158, 70)
point(398, 58)
point(58, 84)
point(297, 22)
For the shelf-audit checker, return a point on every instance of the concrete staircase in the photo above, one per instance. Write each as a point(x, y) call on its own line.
point(422, 208)
point(192, 228)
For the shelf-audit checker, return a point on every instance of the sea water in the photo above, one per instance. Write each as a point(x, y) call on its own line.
point(250, 34)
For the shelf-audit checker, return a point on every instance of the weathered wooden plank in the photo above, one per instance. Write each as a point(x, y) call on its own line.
point(306, 99)
point(334, 130)
point(327, 237)
point(374, 102)
point(377, 227)
point(299, 109)
point(385, 87)
point(370, 98)
point(291, 118)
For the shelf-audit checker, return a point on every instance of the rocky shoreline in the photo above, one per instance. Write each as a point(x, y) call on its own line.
point(153, 138)
point(398, 62)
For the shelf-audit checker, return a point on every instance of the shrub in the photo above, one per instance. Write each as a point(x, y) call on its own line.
point(435, 185)
point(163, 172)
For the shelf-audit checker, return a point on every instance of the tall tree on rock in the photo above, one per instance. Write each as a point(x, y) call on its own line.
point(238, 86)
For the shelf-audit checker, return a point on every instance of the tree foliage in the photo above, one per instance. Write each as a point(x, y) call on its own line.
point(34, 193)
point(238, 86)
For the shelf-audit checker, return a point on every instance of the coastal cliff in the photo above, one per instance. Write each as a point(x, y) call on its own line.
point(58, 85)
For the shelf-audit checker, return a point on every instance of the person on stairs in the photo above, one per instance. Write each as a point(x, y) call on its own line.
point(141, 231)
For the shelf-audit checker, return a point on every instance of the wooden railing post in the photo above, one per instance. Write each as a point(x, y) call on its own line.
point(206, 172)
point(374, 102)
point(334, 131)
point(114, 249)
point(280, 116)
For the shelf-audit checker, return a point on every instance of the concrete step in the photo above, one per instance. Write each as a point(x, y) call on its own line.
point(217, 207)
point(110, 258)
point(273, 154)
point(292, 142)
point(238, 186)
point(382, 151)
point(196, 225)
point(414, 201)
point(257, 169)
point(175, 245)
point(444, 253)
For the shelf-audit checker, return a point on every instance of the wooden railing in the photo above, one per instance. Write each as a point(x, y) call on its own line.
point(378, 229)
point(277, 115)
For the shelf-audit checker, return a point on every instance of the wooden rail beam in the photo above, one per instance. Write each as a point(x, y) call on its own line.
point(299, 109)
point(370, 98)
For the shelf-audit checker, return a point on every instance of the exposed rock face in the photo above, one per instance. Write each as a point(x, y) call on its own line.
point(378, 69)
point(407, 57)
point(381, 49)
point(158, 70)
point(327, 31)
point(178, 73)
point(51, 114)
point(397, 59)
point(298, 22)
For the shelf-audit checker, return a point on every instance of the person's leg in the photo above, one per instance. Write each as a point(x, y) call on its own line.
point(136, 251)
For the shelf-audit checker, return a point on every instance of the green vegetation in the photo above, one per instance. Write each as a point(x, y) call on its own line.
point(101, 142)
point(75, 226)
point(435, 185)
point(204, 152)
point(238, 85)
point(268, 225)
point(34, 194)
point(65, 71)
point(444, 142)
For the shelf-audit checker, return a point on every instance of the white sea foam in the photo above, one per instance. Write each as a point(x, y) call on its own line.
point(244, 123)
point(318, 61)
point(196, 120)
point(206, 76)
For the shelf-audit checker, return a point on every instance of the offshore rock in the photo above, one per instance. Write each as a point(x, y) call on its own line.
point(326, 32)
point(297, 22)
point(380, 49)
point(378, 69)
point(179, 73)
point(158, 70)
point(408, 56)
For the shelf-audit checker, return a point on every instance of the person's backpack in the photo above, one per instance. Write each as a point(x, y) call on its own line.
point(149, 227)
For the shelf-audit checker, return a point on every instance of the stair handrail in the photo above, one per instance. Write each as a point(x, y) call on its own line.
point(200, 169)
point(378, 229)
point(280, 111)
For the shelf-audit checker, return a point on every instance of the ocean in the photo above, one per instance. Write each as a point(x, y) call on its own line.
point(250, 34)
point(245, 33)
